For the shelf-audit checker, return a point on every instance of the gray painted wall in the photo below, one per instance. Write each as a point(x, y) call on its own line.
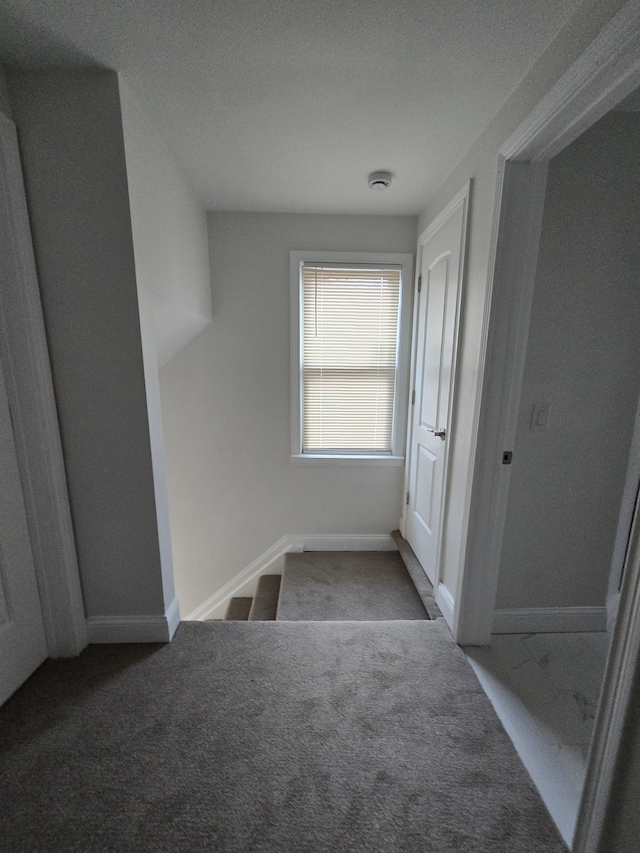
point(233, 492)
point(70, 134)
point(169, 234)
point(583, 360)
point(171, 250)
point(5, 107)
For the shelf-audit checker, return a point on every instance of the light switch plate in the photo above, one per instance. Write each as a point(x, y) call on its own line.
point(540, 417)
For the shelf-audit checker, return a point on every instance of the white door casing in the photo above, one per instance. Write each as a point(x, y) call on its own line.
point(27, 372)
point(436, 321)
point(23, 645)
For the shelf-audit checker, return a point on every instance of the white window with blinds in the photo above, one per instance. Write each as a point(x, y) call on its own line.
point(350, 335)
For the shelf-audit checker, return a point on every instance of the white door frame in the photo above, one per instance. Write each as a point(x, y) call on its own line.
point(607, 72)
point(25, 361)
point(460, 201)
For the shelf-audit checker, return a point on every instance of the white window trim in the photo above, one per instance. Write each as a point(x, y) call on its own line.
point(399, 432)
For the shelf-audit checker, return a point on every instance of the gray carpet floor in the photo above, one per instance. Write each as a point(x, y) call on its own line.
point(273, 737)
point(347, 585)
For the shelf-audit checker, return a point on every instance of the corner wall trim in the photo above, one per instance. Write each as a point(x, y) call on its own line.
point(172, 615)
point(270, 562)
point(134, 629)
point(549, 620)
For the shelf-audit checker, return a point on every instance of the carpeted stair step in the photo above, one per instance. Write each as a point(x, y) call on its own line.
point(327, 586)
point(265, 601)
point(238, 610)
point(418, 576)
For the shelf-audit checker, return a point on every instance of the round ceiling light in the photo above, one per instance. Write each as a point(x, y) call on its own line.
point(379, 181)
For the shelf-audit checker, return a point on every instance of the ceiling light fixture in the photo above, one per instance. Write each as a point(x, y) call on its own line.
point(379, 181)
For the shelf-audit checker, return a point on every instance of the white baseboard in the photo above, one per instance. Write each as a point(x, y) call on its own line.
point(272, 562)
point(134, 629)
point(445, 602)
point(549, 620)
point(342, 542)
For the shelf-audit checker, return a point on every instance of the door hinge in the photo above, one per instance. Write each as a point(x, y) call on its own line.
point(419, 283)
point(413, 397)
point(407, 498)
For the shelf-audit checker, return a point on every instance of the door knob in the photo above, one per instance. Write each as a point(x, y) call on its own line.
point(441, 433)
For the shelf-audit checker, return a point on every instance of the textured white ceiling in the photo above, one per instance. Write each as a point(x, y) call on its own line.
point(287, 105)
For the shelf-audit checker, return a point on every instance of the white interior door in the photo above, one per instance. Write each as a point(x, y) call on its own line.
point(23, 645)
point(437, 310)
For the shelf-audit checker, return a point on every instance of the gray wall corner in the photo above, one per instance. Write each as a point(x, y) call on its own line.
point(5, 106)
point(70, 131)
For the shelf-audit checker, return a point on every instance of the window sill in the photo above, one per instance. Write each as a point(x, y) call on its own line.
point(326, 459)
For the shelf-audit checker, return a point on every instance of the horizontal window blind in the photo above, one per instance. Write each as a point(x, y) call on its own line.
point(349, 358)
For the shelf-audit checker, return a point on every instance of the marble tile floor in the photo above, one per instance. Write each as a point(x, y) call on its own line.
point(545, 689)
